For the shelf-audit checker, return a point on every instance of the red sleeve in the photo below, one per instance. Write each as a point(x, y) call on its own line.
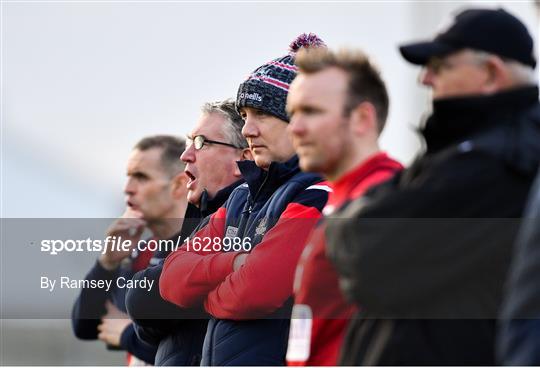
point(265, 281)
point(189, 276)
point(376, 178)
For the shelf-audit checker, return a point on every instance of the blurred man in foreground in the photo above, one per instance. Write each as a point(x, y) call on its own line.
point(338, 106)
point(426, 255)
point(519, 335)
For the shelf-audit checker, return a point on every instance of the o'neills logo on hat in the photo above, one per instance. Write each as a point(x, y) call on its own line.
point(251, 96)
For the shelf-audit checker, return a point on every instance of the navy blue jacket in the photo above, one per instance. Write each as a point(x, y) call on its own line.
point(177, 333)
point(270, 211)
point(90, 307)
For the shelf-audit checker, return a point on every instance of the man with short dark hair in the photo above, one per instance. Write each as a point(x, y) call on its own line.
point(214, 146)
point(338, 106)
point(156, 200)
point(425, 255)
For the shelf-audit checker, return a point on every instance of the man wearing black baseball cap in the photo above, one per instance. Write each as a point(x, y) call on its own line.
point(483, 51)
point(491, 30)
point(430, 285)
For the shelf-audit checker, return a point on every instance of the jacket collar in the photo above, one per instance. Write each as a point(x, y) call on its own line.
point(344, 186)
point(207, 206)
point(211, 205)
point(455, 119)
point(277, 174)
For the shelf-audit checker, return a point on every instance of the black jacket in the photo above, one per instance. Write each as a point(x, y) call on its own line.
point(178, 334)
point(519, 334)
point(425, 255)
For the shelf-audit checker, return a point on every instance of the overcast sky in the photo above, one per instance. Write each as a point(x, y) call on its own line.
point(83, 81)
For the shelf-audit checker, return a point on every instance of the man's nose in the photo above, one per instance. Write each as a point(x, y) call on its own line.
point(296, 125)
point(250, 129)
point(189, 154)
point(427, 77)
point(130, 187)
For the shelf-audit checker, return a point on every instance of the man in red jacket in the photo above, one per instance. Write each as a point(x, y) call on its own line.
point(338, 105)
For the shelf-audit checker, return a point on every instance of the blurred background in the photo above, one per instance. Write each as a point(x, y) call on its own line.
point(82, 81)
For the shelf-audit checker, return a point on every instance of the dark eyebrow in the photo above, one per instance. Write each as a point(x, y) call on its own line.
point(138, 174)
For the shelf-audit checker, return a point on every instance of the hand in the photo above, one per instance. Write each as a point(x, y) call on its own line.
point(112, 325)
point(129, 227)
point(239, 260)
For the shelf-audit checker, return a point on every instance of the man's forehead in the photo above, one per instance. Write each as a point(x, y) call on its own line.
point(209, 125)
point(325, 82)
point(147, 159)
point(331, 75)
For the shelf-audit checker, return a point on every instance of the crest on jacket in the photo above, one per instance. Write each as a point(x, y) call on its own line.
point(231, 232)
point(260, 230)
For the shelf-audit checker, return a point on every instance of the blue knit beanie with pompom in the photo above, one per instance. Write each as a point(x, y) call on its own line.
point(267, 87)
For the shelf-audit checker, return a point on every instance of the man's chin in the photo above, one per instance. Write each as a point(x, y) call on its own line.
point(305, 165)
point(262, 161)
point(308, 166)
point(194, 198)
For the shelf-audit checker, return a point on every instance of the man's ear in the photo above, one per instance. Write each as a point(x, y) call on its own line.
point(498, 75)
point(244, 155)
point(179, 186)
point(363, 119)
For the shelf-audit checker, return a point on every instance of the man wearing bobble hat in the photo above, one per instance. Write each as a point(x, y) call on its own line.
point(247, 291)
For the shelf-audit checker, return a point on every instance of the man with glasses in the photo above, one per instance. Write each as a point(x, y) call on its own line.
point(212, 152)
point(425, 256)
point(213, 147)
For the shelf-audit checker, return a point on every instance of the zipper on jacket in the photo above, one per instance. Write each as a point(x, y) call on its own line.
point(251, 202)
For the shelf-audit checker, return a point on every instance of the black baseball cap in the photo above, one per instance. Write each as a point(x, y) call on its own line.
point(492, 30)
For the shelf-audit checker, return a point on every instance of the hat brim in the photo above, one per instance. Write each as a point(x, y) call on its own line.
point(419, 53)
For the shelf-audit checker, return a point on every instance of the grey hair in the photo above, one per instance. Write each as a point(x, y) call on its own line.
point(521, 74)
point(235, 123)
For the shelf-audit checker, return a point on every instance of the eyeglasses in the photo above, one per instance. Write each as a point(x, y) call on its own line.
point(200, 140)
